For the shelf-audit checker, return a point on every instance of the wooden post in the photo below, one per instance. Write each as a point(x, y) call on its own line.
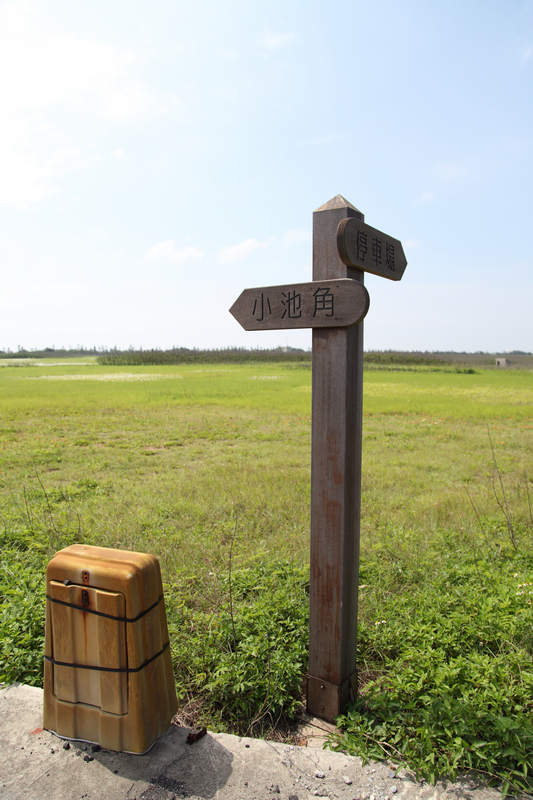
point(334, 305)
point(335, 484)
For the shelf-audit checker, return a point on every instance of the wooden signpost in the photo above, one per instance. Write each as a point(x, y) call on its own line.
point(339, 263)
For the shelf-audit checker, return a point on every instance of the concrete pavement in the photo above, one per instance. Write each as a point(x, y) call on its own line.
point(35, 765)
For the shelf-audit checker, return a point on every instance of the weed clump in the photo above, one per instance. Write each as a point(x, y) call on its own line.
point(243, 663)
point(454, 670)
point(22, 602)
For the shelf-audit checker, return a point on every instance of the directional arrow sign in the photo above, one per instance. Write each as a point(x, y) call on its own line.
point(366, 248)
point(320, 304)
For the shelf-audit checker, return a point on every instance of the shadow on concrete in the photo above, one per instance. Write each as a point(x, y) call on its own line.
point(171, 767)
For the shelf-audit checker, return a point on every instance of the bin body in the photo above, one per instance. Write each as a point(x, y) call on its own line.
point(107, 667)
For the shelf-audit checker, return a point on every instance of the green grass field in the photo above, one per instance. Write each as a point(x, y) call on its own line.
point(191, 463)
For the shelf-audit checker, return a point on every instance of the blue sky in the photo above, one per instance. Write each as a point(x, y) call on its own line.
point(159, 157)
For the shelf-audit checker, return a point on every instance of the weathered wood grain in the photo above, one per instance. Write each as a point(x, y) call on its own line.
point(335, 484)
point(368, 249)
point(320, 304)
point(334, 305)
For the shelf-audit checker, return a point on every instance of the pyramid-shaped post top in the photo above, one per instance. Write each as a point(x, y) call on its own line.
point(338, 202)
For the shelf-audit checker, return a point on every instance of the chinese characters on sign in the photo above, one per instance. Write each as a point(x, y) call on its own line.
point(368, 249)
point(292, 304)
point(336, 303)
point(261, 308)
point(376, 256)
point(324, 301)
point(361, 245)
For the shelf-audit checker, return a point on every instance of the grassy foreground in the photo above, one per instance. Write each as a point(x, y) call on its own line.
point(208, 468)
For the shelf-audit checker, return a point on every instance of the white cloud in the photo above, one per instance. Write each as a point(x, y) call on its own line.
point(449, 171)
point(297, 235)
point(273, 41)
point(49, 68)
point(409, 244)
point(26, 179)
point(58, 91)
point(238, 252)
point(425, 197)
point(166, 251)
point(226, 92)
point(118, 154)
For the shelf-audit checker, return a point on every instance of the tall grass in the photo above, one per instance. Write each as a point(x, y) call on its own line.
point(194, 463)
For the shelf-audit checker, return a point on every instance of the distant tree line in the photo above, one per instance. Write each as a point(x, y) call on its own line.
point(390, 357)
point(183, 355)
point(239, 355)
point(61, 352)
point(114, 356)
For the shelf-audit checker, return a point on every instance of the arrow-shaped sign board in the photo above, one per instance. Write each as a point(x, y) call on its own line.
point(366, 248)
point(320, 304)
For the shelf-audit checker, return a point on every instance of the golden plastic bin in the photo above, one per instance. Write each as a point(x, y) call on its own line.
point(107, 667)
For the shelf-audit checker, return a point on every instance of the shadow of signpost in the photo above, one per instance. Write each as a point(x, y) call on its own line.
point(173, 767)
